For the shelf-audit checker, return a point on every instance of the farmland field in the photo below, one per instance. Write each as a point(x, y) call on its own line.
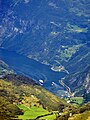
point(35, 112)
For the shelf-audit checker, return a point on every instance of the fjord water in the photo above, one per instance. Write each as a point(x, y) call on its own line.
point(31, 68)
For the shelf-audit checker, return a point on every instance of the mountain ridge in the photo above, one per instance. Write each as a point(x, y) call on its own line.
point(55, 33)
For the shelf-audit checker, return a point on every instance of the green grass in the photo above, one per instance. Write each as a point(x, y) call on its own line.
point(75, 100)
point(34, 112)
point(22, 107)
point(78, 100)
point(49, 117)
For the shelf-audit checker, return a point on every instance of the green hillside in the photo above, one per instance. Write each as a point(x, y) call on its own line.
point(19, 90)
point(22, 98)
point(76, 113)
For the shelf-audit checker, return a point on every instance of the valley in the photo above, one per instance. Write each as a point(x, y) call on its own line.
point(33, 69)
point(53, 33)
point(22, 98)
point(63, 90)
point(54, 81)
point(45, 59)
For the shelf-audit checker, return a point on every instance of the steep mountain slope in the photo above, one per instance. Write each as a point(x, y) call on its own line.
point(74, 113)
point(80, 61)
point(43, 74)
point(79, 83)
point(4, 69)
point(41, 28)
point(52, 32)
point(24, 91)
point(7, 109)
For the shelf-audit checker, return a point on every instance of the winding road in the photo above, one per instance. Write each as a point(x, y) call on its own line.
point(64, 85)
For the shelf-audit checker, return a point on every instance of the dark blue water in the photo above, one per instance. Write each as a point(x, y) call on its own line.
point(31, 68)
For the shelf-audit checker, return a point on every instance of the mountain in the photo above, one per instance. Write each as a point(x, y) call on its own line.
point(55, 33)
point(79, 83)
point(22, 87)
point(4, 69)
point(47, 41)
point(52, 32)
point(81, 113)
point(21, 96)
point(19, 90)
point(41, 73)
